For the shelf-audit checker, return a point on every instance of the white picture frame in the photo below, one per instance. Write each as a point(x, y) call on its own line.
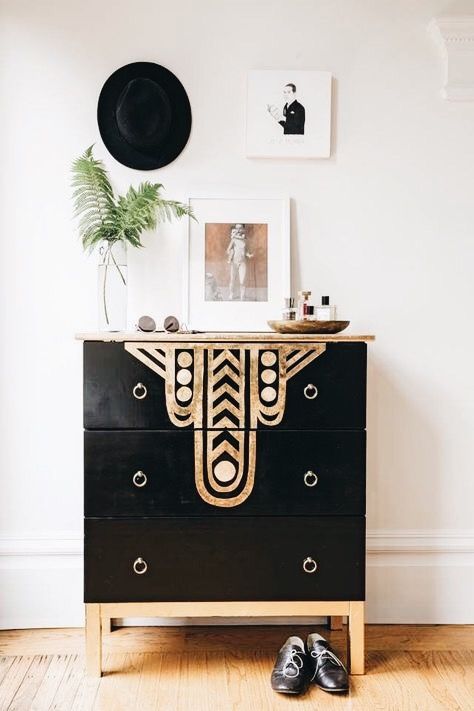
point(207, 303)
point(286, 123)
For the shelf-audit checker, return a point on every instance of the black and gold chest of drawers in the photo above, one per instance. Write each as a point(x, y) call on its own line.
point(224, 475)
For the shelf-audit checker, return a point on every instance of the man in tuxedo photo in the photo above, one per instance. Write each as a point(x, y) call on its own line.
point(292, 117)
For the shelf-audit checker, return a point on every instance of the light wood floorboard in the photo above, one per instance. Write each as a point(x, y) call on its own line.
point(409, 668)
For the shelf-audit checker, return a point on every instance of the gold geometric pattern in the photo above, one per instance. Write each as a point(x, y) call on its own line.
point(224, 391)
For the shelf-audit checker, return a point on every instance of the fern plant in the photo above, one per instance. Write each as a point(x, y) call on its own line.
point(106, 219)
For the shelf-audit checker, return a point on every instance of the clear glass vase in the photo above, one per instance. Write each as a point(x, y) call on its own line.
point(112, 286)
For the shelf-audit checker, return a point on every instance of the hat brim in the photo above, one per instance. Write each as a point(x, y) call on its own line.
point(171, 145)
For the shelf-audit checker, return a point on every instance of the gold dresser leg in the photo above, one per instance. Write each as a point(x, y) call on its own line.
point(106, 625)
point(93, 640)
point(356, 647)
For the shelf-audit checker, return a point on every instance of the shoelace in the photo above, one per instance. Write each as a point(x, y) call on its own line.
point(323, 654)
point(295, 663)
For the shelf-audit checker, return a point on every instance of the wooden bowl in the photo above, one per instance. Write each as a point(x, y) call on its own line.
point(308, 326)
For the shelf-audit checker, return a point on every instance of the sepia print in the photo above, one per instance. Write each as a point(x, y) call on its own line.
point(236, 262)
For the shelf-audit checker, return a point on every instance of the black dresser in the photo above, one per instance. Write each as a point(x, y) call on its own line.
point(224, 474)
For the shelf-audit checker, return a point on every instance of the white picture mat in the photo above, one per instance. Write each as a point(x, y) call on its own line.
point(237, 315)
point(264, 136)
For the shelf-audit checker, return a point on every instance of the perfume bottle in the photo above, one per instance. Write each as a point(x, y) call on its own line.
point(303, 303)
point(289, 312)
point(325, 312)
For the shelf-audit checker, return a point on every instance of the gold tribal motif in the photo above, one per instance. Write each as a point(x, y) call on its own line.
point(224, 390)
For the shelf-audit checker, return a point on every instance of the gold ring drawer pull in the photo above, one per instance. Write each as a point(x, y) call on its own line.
point(140, 478)
point(310, 565)
point(140, 391)
point(310, 478)
point(310, 391)
point(140, 566)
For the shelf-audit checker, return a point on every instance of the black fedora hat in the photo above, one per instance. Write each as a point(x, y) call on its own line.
point(144, 115)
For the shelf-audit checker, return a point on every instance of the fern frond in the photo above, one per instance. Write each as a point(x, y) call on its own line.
point(92, 196)
point(169, 209)
point(136, 212)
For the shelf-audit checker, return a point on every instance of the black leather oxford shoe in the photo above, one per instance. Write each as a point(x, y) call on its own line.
point(292, 671)
point(327, 670)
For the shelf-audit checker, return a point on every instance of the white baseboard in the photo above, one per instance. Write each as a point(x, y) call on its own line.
point(413, 576)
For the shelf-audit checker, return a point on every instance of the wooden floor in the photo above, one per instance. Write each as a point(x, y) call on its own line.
point(228, 669)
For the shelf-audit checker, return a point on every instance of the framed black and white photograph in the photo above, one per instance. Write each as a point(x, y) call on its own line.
point(289, 114)
point(238, 263)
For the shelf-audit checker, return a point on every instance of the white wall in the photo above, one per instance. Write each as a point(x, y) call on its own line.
point(385, 227)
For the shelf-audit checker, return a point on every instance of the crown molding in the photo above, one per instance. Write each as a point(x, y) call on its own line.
point(455, 38)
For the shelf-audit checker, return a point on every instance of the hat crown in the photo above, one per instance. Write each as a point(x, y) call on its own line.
point(143, 113)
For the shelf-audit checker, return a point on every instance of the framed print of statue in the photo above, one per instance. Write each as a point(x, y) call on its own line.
point(289, 114)
point(238, 263)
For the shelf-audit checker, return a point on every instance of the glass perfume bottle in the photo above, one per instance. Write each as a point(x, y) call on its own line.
point(303, 303)
point(325, 312)
point(289, 312)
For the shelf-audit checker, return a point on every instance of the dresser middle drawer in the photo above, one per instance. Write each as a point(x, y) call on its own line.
point(152, 473)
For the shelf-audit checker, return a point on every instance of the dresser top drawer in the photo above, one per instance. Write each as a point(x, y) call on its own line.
point(151, 385)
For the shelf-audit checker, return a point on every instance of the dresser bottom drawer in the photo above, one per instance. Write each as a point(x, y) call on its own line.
point(239, 558)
